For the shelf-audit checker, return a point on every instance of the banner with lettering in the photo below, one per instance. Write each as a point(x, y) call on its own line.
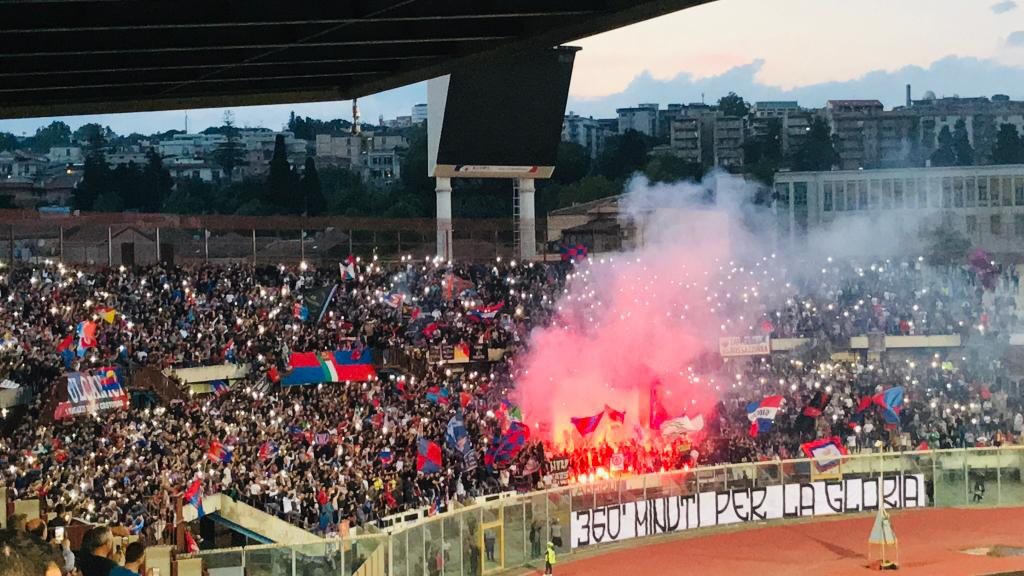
point(91, 392)
point(744, 345)
point(460, 353)
point(619, 522)
point(559, 470)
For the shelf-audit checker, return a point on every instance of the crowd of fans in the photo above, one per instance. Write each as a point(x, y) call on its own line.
point(322, 455)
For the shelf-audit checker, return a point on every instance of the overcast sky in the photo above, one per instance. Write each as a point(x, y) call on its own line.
point(808, 50)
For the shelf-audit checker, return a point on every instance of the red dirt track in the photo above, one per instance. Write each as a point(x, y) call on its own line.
point(930, 544)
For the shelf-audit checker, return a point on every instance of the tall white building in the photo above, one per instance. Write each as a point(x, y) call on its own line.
point(984, 203)
point(643, 119)
point(419, 113)
point(587, 132)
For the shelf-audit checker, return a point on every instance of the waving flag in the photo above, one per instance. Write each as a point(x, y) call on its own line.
point(438, 395)
point(86, 337)
point(457, 438)
point(394, 299)
point(428, 456)
point(219, 387)
point(107, 314)
point(338, 366)
point(505, 448)
point(268, 450)
point(110, 381)
point(348, 268)
point(826, 452)
point(385, 456)
point(319, 301)
point(194, 496)
point(812, 410)
point(614, 416)
point(658, 414)
point(229, 351)
point(678, 427)
point(453, 285)
point(219, 453)
point(190, 543)
point(485, 314)
point(588, 424)
point(891, 402)
point(762, 414)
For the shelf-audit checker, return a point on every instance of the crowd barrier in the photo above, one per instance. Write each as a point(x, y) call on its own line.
point(512, 532)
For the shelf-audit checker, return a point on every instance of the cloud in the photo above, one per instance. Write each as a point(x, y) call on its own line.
point(1016, 38)
point(949, 76)
point(1003, 7)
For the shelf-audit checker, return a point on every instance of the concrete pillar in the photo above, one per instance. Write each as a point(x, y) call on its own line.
point(443, 188)
point(527, 220)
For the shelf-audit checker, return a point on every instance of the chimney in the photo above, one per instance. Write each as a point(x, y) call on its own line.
point(909, 101)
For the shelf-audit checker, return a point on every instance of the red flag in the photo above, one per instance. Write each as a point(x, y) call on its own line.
point(465, 398)
point(190, 543)
point(614, 415)
point(273, 374)
point(66, 343)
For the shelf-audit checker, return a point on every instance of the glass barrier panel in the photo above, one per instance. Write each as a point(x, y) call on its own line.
point(982, 477)
point(320, 559)
point(472, 555)
point(536, 525)
point(606, 493)
point(919, 464)
point(359, 551)
point(950, 480)
point(268, 562)
point(452, 545)
point(433, 548)
point(400, 553)
point(515, 529)
point(414, 553)
point(798, 471)
point(227, 559)
point(631, 489)
point(582, 496)
point(741, 476)
point(558, 527)
point(768, 474)
point(1011, 483)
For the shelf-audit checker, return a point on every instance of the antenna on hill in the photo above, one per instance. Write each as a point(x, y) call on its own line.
point(356, 128)
point(186, 122)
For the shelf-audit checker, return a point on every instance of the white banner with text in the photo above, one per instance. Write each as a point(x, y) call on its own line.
point(618, 522)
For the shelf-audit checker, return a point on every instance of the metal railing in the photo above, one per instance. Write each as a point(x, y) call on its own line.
point(128, 239)
point(513, 531)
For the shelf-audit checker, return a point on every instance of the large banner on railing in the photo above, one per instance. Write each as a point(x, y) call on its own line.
point(744, 345)
point(462, 353)
point(92, 392)
point(618, 522)
point(337, 366)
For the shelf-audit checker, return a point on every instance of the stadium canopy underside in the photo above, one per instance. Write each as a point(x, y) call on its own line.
point(103, 56)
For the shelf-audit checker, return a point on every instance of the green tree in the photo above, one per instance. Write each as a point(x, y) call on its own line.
point(55, 134)
point(818, 150)
point(944, 155)
point(962, 144)
point(733, 105)
point(623, 155)
point(669, 168)
point(229, 154)
point(572, 163)
point(8, 141)
point(1008, 148)
point(946, 246)
point(588, 189)
point(312, 192)
point(190, 196)
point(156, 182)
point(95, 182)
point(281, 189)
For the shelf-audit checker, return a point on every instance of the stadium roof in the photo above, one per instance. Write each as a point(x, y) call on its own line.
point(61, 57)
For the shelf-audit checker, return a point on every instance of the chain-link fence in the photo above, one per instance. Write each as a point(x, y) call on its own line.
point(143, 239)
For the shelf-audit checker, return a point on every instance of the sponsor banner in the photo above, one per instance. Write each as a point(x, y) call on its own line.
point(744, 345)
point(620, 522)
point(458, 353)
point(559, 471)
point(91, 392)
